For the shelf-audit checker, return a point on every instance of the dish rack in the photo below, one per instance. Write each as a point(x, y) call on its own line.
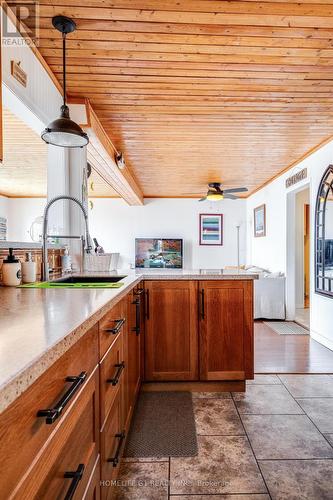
point(102, 262)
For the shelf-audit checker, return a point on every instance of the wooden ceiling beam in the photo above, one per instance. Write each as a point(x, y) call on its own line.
point(101, 153)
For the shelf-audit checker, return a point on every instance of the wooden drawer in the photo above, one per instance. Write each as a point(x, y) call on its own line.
point(112, 441)
point(111, 376)
point(73, 448)
point(22, 432)
point(93, 491)
point(111, 325)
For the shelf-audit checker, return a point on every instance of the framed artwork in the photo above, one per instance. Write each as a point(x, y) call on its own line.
point(260, 221)
point(211, 229)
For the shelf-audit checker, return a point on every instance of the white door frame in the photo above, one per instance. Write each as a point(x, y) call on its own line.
point(291, 250)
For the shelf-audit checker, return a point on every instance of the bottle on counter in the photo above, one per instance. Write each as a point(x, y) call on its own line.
point(11, 270)
point(66, 261)
point(29, 273)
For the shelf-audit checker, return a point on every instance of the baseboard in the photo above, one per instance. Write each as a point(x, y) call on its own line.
point(322, 340)
point(224, 386)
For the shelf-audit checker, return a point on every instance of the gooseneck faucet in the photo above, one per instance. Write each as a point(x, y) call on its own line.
point(87, 239)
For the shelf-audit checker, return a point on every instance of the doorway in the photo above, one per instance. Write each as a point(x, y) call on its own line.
point(302, 261)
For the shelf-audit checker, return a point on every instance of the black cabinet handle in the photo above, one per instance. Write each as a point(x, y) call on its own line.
point(115, 379)
point(202, 293)
point(53, 413)
point(117, 328)
point(76, 478)
point(147, 304)
point(115, 459)
point(137, 327)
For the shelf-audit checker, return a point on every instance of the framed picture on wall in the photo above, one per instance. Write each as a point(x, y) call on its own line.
point(260, 221)
point(211, 229)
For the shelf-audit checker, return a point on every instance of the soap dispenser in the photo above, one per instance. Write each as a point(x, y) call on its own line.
point(28, 269)
point(11, 270)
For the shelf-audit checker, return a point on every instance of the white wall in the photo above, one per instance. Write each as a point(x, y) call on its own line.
point(3, 206)
point(116, 225)
point(40, 95)
point(274, 251)
point(20, 215)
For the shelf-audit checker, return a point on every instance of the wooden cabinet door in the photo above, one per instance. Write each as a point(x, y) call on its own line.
point(112, 442)
point(171, 332)
point(226, 330)
point(68, 461)
point(112, 372)
point(113, 323)
point(134, 335)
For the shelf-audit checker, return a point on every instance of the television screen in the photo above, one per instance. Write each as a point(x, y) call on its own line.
point(159, 252)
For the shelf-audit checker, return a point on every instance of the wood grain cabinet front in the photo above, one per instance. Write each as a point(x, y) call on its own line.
point(112, 371)
point(171, 334)
point(135, 338)
point(112, 442)
point(111, 325)
point(31, 420)
point(63, 469)
point(226, 329)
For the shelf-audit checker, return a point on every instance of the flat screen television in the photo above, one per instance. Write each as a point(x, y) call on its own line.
point(159, 253)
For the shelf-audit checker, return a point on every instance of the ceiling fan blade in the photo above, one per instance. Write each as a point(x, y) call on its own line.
point(230, 197)
point(203, 199)
point(235, 190)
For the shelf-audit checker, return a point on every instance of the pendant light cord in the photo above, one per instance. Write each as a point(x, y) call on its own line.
point(64, 66)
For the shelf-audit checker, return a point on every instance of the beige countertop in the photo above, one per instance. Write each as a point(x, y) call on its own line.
point(37, 326)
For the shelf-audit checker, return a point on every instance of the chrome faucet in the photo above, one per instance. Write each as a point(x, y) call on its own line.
point(86, 238)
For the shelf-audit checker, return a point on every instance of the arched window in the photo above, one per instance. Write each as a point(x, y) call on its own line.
point(324, 235)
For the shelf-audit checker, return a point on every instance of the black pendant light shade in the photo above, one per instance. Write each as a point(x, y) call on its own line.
point(63, 131)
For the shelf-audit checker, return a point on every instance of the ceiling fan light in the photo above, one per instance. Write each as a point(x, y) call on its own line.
point(214, 196)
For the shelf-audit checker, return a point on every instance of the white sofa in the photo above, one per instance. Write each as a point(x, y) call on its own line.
point(269, 294)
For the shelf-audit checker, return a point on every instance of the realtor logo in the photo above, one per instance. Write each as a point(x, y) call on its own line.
point(20, 23)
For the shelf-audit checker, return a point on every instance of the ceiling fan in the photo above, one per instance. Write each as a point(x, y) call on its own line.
point(215, 193)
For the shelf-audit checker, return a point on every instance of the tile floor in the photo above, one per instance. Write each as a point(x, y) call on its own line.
point(275, 441)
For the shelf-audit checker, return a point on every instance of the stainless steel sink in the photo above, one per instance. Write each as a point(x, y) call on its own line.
point(90, 279)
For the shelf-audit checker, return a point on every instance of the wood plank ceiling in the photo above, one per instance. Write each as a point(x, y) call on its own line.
point(195, 91)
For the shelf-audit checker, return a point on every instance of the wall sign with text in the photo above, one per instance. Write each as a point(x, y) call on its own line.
point(298, 177)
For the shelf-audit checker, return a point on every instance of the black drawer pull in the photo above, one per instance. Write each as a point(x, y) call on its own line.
point(117, 328)
point(53, 413)
point(76, 478)
point(115, 380)
point(115, 459)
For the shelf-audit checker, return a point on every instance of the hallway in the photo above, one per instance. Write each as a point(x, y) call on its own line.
point(274, 353)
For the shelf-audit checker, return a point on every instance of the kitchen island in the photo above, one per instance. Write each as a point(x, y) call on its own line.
point(73, 362)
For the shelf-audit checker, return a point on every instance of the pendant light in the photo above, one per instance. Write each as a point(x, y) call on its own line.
point(63, 131)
